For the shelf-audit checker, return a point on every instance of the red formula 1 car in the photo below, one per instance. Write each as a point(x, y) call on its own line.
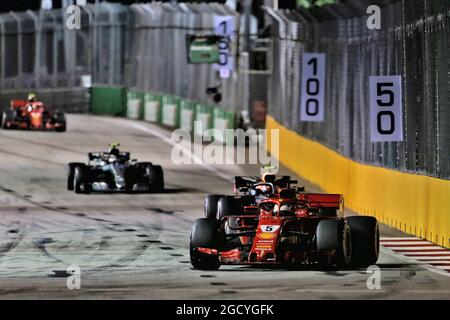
point(32, 114)
point(290, 228)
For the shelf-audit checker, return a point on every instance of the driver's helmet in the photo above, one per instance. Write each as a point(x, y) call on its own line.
point(267, 177)
point(114, 150)
point(31, 97)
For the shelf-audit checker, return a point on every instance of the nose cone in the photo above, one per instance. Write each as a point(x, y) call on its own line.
point(119, 171)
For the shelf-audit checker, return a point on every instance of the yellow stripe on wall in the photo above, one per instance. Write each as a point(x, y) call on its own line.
point(415, 204)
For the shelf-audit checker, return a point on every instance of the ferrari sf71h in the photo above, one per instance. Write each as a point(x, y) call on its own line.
point(290, 228)
point(32, 114)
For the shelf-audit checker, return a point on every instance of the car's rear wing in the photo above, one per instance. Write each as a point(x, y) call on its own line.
point(99, 155)
point(318, 200)
point(278, 181)
point(17, 103)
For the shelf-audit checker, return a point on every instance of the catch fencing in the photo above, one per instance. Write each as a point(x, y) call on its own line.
point(413, 42)
point(140, 48)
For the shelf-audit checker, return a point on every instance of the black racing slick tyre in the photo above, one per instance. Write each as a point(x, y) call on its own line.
point(71, 174)
point(333, 235)
point(7, 116)
point(205, 234)
point(211, 201)
point(227, 206)
point(365, 240)
point(156, 178)
point(61, 128)
point(230, 205)
point(81, 180)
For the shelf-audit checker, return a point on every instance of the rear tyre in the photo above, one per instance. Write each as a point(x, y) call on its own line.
point(156, 179)
point(365, 240)
point(204, 234)
point(7, 117)
point(71, 174)
point(227, 206)
point(62, 128)
point(333, 236)
point(211, 201)
point(59, 118)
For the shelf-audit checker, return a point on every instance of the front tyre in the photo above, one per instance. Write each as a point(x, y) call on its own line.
point(365, 240)
point(333, 240)
point(156, 179)
point(71, 174)
point(205, 235)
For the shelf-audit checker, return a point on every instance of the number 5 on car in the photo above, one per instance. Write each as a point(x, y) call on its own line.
point(386, 120)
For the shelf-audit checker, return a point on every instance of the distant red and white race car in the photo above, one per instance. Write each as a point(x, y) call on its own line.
point(32, 114)
point(286, 228)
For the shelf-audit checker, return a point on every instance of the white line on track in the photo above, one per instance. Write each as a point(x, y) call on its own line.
point(443, 267)
point(412, 249)
point(169, 141)
point(395, 243)
point(399, 238)
point(437, 253)
point(435, 258)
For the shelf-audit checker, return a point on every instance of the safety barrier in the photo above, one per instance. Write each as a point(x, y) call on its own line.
point(415, 204)
point(109, 101)
point(170, 111)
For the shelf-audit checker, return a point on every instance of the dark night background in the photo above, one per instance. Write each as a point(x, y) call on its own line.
point(22, 5)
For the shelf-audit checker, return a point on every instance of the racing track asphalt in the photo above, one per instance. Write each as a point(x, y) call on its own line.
point(135, 246)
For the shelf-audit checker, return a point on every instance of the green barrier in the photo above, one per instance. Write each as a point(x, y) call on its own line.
point(108, 100)
point(187, 114)
point(223, 120)
point(170, 111)
point(165, 109)
point(135, 104)
point(203, 118)
point(152, 107)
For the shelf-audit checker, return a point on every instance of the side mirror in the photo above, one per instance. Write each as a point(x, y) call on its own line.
point(301, 189)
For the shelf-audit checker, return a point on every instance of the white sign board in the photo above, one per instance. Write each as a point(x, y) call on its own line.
point(46, 4)
point(224, 26)
point(386, 120)
point(313, 87)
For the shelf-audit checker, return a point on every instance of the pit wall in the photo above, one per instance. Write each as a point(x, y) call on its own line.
point(416, 204)
point(167, 110)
